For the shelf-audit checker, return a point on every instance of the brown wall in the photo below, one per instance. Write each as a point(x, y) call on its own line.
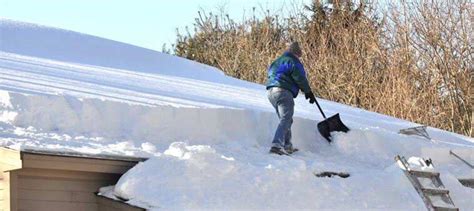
point(60, 190)
point(35, 181)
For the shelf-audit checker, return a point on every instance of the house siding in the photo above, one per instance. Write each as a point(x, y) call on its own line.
point(60, 190)
point(39, 181)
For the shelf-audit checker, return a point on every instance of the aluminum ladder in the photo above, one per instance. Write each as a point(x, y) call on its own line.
point(429, 186)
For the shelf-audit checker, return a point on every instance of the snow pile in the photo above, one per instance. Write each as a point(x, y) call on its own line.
point(203, 177)
point(207, 135)
point(234, 176)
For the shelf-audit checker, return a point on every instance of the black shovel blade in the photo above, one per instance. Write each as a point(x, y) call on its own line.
point(331, 124)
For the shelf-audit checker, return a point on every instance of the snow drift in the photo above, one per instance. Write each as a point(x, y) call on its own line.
point(207, 135)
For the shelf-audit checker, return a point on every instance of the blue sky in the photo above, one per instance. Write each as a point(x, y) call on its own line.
point(145, 23)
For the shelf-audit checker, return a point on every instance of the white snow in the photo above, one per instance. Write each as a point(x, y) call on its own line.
point(207, 135)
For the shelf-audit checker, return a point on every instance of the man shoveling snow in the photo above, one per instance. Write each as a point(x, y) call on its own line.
point(286, 76)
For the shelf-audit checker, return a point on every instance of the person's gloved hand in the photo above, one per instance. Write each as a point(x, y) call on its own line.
point(310, 96)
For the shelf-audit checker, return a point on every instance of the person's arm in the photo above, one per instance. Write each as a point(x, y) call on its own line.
point(299, 75)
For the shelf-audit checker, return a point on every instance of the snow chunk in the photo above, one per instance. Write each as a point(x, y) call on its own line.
point(8, 116)
point(420, 164)
point(5, 100)
point(6, 112)
point(182, 151)
point(149, 147)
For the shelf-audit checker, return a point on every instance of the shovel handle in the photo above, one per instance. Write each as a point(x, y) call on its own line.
point(321, 110)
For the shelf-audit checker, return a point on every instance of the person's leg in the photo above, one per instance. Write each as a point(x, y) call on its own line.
point(288, 144)
point(283, 102)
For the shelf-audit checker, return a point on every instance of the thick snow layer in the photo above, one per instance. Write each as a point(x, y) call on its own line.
point(63, 45)
point(207, 135)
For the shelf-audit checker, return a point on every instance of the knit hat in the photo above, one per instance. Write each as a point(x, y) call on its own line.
point(295, 49)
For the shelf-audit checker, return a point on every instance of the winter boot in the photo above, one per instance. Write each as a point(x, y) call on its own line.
point(291, 150)
point(278, 151)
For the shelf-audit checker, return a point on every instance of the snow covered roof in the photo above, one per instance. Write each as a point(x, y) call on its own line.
point(73, 47)
point(207, 135)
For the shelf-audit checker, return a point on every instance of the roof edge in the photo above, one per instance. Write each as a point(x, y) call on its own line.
point(122, 203)
point(80, 155)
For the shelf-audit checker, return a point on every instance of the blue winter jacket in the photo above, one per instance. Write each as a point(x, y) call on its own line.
point(288, 73)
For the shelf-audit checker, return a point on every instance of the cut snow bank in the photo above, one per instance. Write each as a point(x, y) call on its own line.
point(160, 125)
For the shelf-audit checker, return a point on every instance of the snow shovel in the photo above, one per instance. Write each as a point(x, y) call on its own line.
point(330, 124)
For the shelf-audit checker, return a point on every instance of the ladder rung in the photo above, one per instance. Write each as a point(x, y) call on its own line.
point(445, 208)
point(424, 173)
point(435, 191)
